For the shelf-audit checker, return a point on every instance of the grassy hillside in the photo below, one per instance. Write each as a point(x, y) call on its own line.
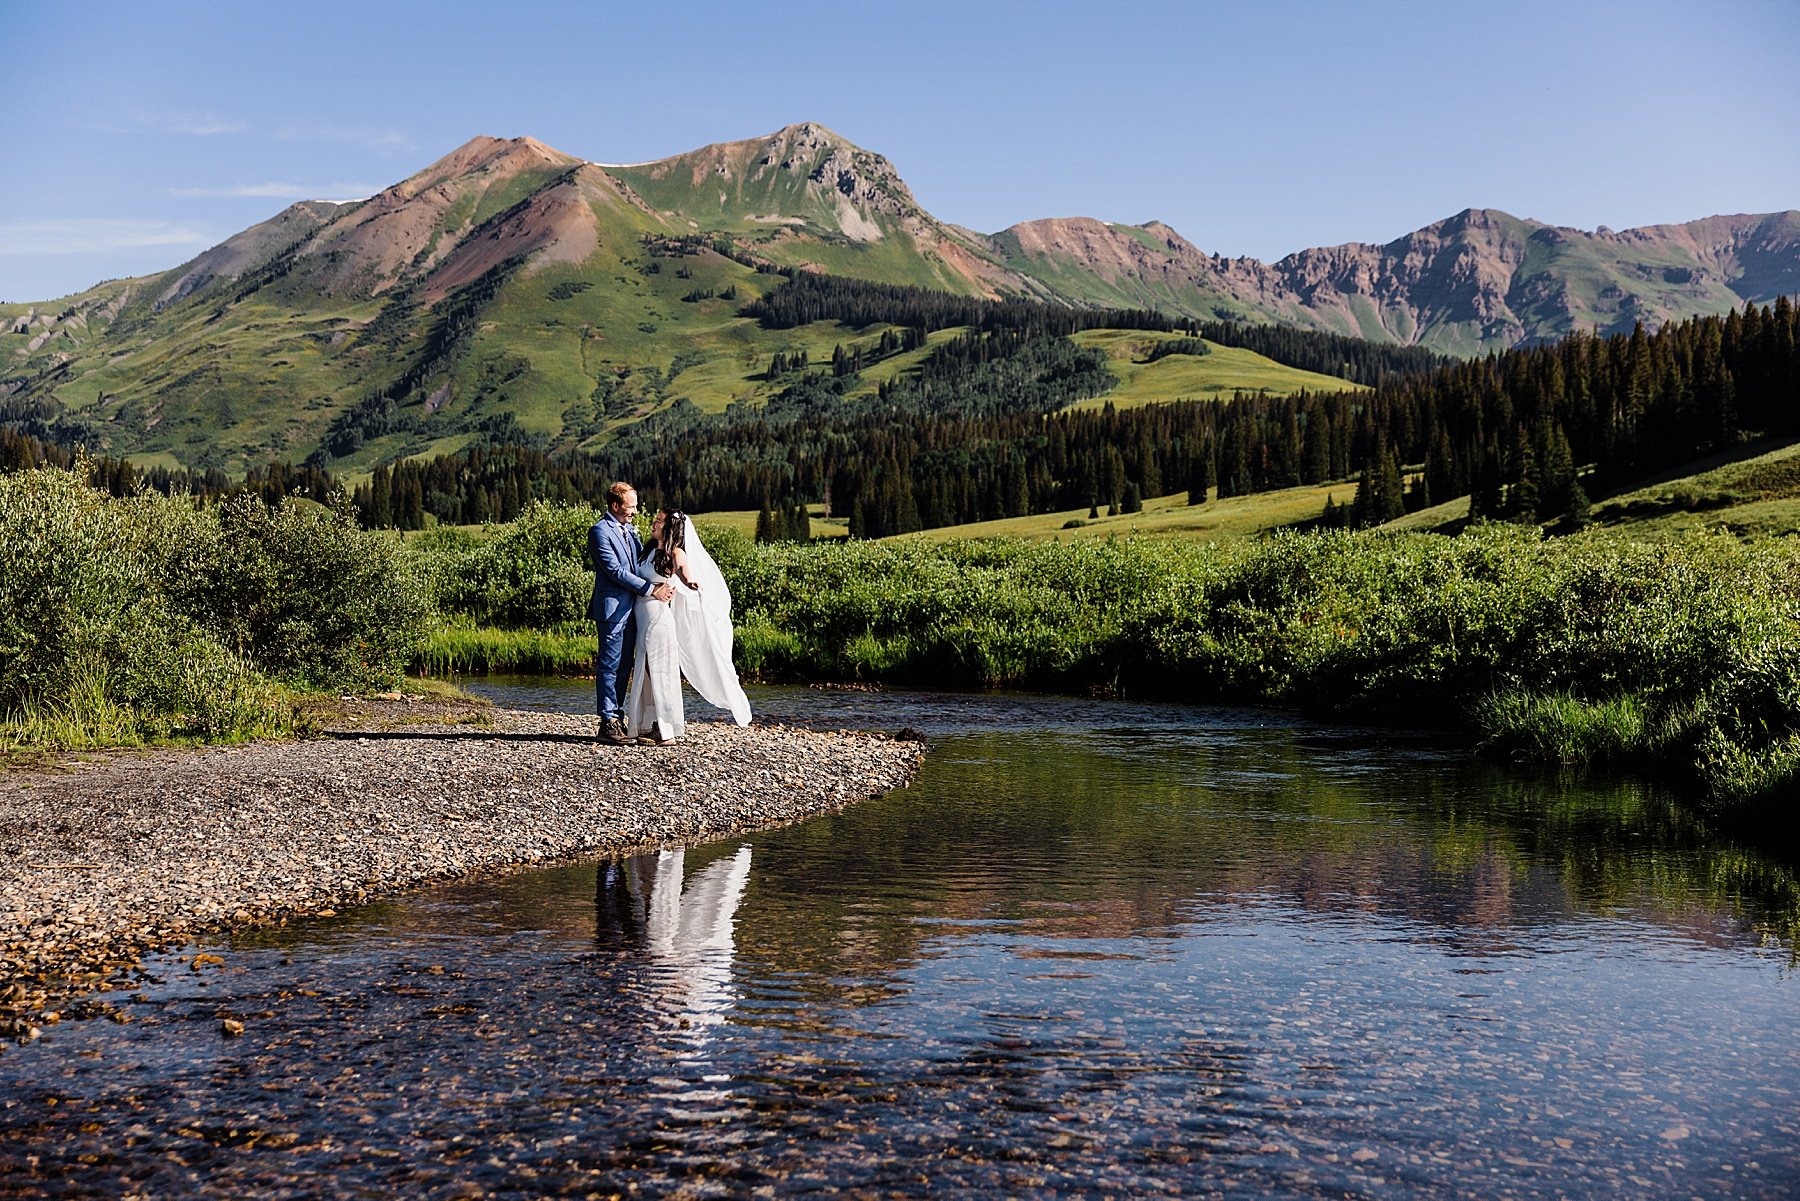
point(1163, 516)
point(1749, 495)
point(1749, 491)
point(1199, 377)
point(743, 521)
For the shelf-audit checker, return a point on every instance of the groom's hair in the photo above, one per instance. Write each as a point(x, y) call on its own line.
point(615, 495)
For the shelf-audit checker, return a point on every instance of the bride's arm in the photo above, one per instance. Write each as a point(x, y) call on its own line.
point(681, 571)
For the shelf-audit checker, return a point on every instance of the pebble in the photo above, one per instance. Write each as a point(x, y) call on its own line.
point(107, 858)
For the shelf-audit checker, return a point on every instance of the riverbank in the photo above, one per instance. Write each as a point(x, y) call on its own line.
point(1672, 659)
point(104, 858)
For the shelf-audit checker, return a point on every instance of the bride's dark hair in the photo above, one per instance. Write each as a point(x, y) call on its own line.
point(674, 537)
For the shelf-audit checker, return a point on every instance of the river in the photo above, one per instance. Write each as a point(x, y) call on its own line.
point(1096, 948)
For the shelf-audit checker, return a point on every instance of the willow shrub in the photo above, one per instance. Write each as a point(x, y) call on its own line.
point(300, 591)
point(530, 573)
point(123, 621)
point(966, 614)
point(1588, 648)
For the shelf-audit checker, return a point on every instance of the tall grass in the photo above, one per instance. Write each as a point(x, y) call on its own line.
point(459, 647)
point(1561, 728)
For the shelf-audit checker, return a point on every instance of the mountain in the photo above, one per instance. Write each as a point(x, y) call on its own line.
point(805, 197)
point(435, 231)
point(512, 290)
point(1481, 280)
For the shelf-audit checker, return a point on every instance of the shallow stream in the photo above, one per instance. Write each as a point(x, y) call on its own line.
point(1096, 948)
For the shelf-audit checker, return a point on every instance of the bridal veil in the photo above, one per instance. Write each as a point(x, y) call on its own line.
point(703, 632)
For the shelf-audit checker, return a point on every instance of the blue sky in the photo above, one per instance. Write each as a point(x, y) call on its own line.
point(137, 134)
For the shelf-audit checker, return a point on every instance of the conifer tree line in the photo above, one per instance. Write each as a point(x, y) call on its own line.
point(1513, 431)
point(477, 485)
point(784, 523)
point(1173, 346)
point(807, 297)
point(20, 451)
point(1354, 359)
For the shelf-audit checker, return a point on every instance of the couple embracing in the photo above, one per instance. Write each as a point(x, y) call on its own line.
point(664, 612)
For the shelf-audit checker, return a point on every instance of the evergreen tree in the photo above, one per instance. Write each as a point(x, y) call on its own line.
point(1391, 500)
point(1315, 453)
point(1577, 511)
point(1364, 505)
point(1521, 497)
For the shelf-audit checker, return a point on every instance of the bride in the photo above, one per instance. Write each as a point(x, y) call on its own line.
point(689, 635)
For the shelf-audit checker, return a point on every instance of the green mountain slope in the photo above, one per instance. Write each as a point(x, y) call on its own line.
point(505, 290)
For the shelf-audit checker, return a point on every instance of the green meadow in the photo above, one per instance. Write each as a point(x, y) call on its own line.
point(1163, 516)
point(1217, 375)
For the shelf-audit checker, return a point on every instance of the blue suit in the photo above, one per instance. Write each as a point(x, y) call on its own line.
point(618, 556)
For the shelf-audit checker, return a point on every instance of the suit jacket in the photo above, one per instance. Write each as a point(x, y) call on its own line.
point(618, 557)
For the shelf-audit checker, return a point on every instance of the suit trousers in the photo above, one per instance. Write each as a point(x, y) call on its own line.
point(612, 666)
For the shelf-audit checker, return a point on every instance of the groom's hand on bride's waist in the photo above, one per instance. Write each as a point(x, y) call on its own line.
point(663, 592)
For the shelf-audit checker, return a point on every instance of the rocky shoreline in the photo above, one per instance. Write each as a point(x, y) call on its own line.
point(105, 858)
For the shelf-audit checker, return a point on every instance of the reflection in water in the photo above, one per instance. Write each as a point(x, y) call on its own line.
point(1096, 948)
point(684, 926)
point(684, 929)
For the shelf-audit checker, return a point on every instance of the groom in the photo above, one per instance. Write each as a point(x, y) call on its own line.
point(618, 554)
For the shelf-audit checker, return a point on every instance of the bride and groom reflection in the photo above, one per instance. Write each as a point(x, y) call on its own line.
point(684, 925)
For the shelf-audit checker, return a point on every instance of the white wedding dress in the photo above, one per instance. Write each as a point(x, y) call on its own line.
point(688, 636)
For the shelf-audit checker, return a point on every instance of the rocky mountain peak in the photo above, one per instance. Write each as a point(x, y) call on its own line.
point(832, 162)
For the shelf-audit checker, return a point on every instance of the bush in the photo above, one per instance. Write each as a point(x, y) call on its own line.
point(91, 651)
point(133, 620)
point(531, 573)
point(77, 580)
point(301, 592)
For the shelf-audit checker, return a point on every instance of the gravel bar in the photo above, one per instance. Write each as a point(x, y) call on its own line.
point(110, 857)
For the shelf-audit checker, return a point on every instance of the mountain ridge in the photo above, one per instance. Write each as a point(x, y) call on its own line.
point(508, 281)
point(1480, 279)
point(806, 197)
